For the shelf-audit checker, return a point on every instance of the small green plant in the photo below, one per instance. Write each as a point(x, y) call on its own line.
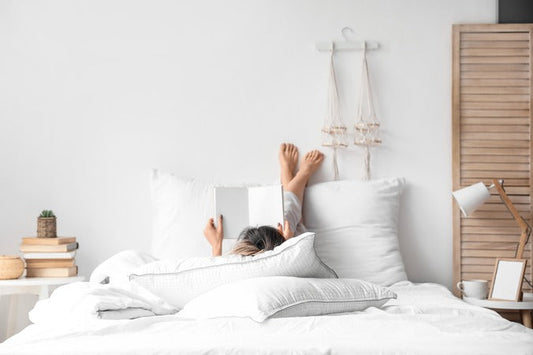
point(47, 214)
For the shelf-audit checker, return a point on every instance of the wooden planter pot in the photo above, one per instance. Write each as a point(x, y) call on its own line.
point(46, 227)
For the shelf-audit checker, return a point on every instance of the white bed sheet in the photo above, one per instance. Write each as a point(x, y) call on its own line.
point(424, 319)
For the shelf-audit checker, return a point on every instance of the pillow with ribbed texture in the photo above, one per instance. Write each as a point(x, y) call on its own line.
point(281, 296)
point(179, 281)
point(356, 226)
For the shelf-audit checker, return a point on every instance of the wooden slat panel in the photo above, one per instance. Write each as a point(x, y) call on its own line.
point(516, 36)
point(478, 261)
point(477, 276)
point(494, 144)
point(494, 98)
point(494, 75)
point(494, 82)
point(491, 140)
point(495, 90)
point(497, 215)
point(495, 44)
point(490, 253)
point(495, 136)
point(495, 238)
point(495, 113)
point(494, 151)
point(478, 268)
point(501, 207)
point(489, 230)
point(495, 158)
point(495, 174)
point(494, 60)
point(472, 221)
point(496, 105)
point(495, 67)
point(490, 246)
point(516, 182)
point(495, 166)
point(494, 128)
point(495, 52)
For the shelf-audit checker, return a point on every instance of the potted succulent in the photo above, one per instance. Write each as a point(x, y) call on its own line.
point(46, 225)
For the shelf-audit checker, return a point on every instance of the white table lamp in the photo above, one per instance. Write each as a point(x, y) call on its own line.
point(471, 198)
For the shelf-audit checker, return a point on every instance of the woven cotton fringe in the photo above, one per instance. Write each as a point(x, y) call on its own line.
point(334, 129)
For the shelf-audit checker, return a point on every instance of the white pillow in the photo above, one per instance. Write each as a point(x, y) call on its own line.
point(118, 267)
point(356, 223)
point(187, 279)
point(180, 209)
point(281, 296)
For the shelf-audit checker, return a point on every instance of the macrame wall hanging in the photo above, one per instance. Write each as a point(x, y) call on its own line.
point(366, 128)
point(334, 129)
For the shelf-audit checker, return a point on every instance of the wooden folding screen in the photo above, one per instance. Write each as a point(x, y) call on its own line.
point(492, 95)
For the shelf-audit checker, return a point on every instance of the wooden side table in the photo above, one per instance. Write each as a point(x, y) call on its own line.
point(525, 307)
point(39, 286)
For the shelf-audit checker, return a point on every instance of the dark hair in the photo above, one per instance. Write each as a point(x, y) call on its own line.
point(254, 240)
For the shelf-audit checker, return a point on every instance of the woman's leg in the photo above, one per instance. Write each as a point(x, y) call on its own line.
point(294, 184)
point(308, 166)
point(288, 159)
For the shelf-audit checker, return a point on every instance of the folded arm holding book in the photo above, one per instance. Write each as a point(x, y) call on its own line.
point(254, 240)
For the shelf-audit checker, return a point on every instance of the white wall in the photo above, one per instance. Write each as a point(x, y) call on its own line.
point(93, 94)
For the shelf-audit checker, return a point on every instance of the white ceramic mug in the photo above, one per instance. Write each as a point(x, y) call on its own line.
point(474, 288)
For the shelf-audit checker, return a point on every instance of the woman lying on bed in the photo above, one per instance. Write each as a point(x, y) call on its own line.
point(254, 240)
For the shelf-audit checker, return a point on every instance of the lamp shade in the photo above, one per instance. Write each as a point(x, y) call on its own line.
point(471, 197)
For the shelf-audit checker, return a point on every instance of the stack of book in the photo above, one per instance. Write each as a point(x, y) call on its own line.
point(49, 257)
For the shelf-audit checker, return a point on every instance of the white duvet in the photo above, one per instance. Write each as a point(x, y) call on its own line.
point(424, 319)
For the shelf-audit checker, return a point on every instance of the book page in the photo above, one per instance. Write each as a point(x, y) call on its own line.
point(265, 205)
point(232, 204)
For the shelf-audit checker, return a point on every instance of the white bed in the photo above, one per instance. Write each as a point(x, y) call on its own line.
point(424, 319)
point(356, 236)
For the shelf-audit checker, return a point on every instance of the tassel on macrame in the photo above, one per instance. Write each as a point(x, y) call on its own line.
point(334, 129)
point(366, 126)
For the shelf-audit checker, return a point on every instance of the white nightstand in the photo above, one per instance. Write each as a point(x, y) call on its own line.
point(39, 286)
point(524, 307)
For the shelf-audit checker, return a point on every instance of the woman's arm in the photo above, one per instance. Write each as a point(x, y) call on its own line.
point(286, 231)
point(214, 235)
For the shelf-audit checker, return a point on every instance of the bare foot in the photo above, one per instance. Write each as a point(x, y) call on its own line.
point(311, 162)
point(288, 158)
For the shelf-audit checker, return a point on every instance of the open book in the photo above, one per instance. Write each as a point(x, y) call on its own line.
point(248, 206)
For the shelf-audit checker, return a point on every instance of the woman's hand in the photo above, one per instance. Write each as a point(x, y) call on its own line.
point(286, 231)
point(214, 235)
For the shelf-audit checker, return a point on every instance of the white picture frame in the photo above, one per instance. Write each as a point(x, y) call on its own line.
point(507, 279)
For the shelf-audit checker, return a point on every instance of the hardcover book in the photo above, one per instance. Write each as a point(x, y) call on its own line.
point(49, 263)
point(59, 248)
point(65, 255)
point(48, 241)
point(248, 206)
point(52, 272)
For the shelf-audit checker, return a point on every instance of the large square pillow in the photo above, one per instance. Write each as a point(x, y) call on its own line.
point(180, 210)
point(356, 226)
point(179, 281)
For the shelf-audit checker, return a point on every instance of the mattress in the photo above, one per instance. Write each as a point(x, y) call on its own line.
point(424, 319)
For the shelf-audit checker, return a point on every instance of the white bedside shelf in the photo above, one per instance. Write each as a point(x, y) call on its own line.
point(525, 307)
point(39, 286)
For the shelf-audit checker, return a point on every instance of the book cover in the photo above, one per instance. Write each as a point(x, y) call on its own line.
point(52, 272)
point(35, 248)
point(248, 206)
point(65, 255)
point(49, 263)
point(48, 241)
